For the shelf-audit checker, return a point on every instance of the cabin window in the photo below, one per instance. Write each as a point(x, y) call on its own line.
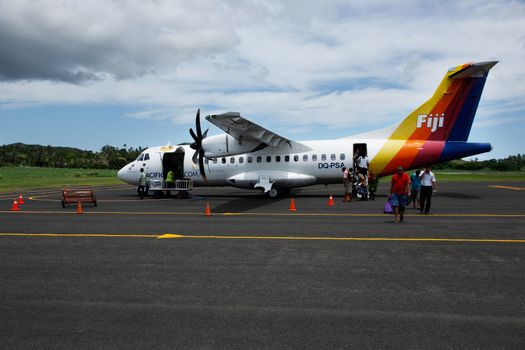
point(277, 158)
point(232, 160)
point(223, 160)
point(296, 158)
point(286, 158)
point(259, 159)
point(314, 157)
point(268, 159)
point(332, 156)
point(342, 156)
point(241, 159)
point(305, 158)
point(323, 156)
point(249, 159)
point(146, 156)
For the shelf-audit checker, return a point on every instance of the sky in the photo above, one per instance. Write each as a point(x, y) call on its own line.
point(86, 74)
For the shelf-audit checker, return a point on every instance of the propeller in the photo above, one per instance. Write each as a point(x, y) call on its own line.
point(198, 156)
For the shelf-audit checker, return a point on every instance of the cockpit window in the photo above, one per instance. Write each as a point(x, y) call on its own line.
point(146, 156)
point(140, 158)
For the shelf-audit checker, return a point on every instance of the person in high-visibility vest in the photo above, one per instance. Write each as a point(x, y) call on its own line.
point(170, 180)
point(142, 183)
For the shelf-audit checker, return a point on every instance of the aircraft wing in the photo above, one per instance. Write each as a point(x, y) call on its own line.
point(243, 129)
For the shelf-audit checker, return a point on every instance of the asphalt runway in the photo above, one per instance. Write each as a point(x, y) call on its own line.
point(149, 273)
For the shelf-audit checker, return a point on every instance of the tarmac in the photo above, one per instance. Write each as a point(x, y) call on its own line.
point(158, 273)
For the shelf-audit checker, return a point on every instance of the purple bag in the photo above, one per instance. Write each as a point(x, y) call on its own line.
point(387, 209)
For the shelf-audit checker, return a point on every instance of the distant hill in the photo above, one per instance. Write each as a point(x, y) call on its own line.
point(109, 157)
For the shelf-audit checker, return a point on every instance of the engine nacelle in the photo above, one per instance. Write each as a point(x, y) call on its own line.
point(226, 145)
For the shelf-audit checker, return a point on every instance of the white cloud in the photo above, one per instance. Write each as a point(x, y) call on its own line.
point(305, 65)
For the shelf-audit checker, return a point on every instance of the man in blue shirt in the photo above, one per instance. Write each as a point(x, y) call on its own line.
point(415, 188)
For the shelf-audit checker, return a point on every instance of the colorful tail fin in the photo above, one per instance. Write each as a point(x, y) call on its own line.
point(437, 131)
point(449, 113)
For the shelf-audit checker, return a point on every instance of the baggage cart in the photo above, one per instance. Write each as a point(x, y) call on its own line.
point(73, 195)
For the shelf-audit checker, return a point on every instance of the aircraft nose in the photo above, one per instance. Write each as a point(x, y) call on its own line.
point(120, 173)
point(123, 173)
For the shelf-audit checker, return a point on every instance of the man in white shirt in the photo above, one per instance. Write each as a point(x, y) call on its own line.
point(428, 185)
point(362, 165)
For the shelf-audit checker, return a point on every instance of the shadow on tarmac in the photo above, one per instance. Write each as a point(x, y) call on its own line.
point(457, 195)
point(240, 205)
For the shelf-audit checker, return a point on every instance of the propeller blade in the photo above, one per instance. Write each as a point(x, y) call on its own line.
point(195, 138)
point(197, 144)
point(198, 123)
point(201, 164)
point(194, 158)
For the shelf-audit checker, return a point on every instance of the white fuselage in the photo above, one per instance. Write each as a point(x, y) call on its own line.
point(322, 165)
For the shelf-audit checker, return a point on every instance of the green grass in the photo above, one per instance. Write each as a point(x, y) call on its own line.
point(481, 175)
point(18, 178)
point(472, 176)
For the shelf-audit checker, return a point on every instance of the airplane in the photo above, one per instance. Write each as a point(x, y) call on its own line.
point(251, 157)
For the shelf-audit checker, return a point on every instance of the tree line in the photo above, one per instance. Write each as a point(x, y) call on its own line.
point(511, 163)
point(109, 157)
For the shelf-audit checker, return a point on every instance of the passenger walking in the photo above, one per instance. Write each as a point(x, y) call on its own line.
point(347, 184)
point(362, 165)
point(399, 189)
point(361, 189)
point(356, 156)
point(372, 184)
point(415, 186)
point(428, 185)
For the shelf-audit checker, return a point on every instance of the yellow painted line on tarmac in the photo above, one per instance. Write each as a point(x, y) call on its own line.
point(38, 199)
point(368, 214)
point(57, 192)
point(362, 239)
point(508, 187)
point(76, 235)
point(87, 211)
point(282, 238)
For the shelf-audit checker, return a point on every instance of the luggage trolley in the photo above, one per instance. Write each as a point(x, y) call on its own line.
point(73, 195)
point(156, 188)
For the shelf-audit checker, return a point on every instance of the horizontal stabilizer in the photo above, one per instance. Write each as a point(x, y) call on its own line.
point(475, 70)
point(456, 150)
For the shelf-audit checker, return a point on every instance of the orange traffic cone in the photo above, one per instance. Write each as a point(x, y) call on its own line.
point(20, 199)
point(79, 208)
point(15, 206)
point(292, 205)
point(207, 211)
point(331, 202)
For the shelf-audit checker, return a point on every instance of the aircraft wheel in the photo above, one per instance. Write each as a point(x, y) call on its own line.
point(273, 193)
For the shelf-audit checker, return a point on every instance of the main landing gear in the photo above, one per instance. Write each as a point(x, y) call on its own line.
point(276, 192)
